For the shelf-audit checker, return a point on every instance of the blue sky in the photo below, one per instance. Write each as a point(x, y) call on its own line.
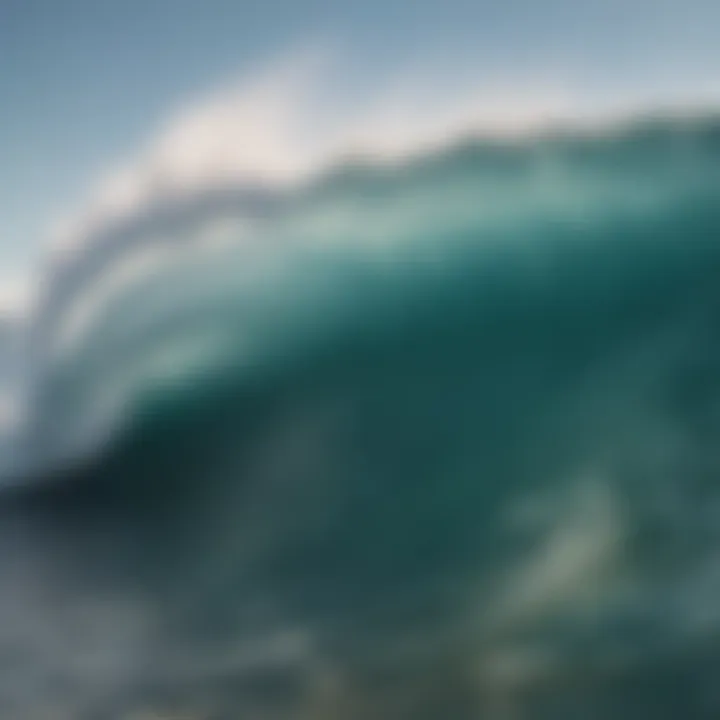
point(84, 83)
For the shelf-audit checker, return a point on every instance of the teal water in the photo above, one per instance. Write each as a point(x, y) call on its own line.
point(437, 439)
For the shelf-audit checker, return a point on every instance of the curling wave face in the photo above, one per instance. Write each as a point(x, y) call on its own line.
point(434, 437)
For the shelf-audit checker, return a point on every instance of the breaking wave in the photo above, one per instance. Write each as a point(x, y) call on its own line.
point(440, 434)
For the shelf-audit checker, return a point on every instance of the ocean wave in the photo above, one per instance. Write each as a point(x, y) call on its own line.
point(462, 409)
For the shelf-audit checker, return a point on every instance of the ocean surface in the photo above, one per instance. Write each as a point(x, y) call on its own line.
point(430, 439)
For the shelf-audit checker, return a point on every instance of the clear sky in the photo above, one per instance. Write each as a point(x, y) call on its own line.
point(85, 83)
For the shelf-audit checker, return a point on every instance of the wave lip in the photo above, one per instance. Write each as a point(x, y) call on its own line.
point(357, 233)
